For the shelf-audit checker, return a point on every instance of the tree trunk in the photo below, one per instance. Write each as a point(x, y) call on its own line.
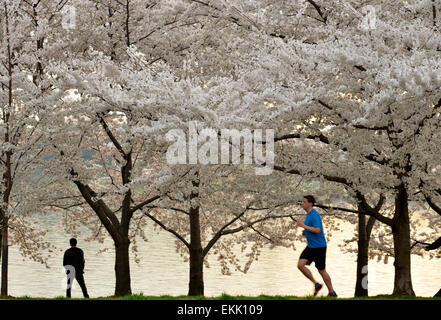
point(361, 288)
point(7, 176)
point(196, 284)
point(122, 269)
point(1, 240)
point(401, 234)
point(4, 285)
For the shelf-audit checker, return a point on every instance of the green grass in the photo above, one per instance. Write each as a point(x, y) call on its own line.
point(141, 296)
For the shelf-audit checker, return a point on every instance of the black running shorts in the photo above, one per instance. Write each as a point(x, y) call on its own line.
point(317, 255)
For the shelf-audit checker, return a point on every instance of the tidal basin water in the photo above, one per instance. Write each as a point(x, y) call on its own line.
point(162, 270)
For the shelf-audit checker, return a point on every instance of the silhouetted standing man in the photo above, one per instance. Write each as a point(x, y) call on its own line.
point(74, 257)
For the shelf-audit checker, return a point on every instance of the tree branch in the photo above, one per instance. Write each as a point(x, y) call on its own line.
point(163, 226)
point(371, 211)
point(172, 208)
point(432, 204)
point(319, 10)
point(142, 204)
point(327, 177)
point(107, 217)
point(111, 136)
point(324, 139)
point(248, 225)
point(218, 234)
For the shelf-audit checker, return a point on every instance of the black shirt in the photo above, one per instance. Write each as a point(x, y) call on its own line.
point(74, 257)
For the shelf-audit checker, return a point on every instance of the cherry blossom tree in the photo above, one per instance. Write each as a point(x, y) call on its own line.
point(125, 97)
point(23, 96)
point(359, 82)
point(280, 20)
point(352, 91)
point(370, 100)
point(110, 28)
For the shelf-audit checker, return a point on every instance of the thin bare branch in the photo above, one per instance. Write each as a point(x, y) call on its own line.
point(163, 226)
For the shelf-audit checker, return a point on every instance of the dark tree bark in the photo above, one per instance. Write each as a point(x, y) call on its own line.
point(7, 176)
point(196, 283)
point(1, 238)
point(122, 269)
point(401, 234)
point(364, 233)
point(400, 225)
point(4, 236)
point(361, 289)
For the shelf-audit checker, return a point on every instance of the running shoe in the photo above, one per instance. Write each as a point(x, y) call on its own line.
point(317, 288)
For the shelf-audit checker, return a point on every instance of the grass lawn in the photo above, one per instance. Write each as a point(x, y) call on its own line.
point(228, 297)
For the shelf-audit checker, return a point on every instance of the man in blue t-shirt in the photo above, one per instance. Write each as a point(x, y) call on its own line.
point(316, 248)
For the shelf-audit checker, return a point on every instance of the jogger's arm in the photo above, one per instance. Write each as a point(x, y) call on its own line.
point(310, 229)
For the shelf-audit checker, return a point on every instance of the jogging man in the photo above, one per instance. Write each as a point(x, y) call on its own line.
point(316, 248)
point(434, 246)
point(74, 257)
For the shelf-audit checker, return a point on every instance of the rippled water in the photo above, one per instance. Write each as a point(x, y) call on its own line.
point(162, 271)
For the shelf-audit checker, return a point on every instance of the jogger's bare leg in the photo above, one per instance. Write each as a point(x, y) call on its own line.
point(302, 267)
point(326, 279)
